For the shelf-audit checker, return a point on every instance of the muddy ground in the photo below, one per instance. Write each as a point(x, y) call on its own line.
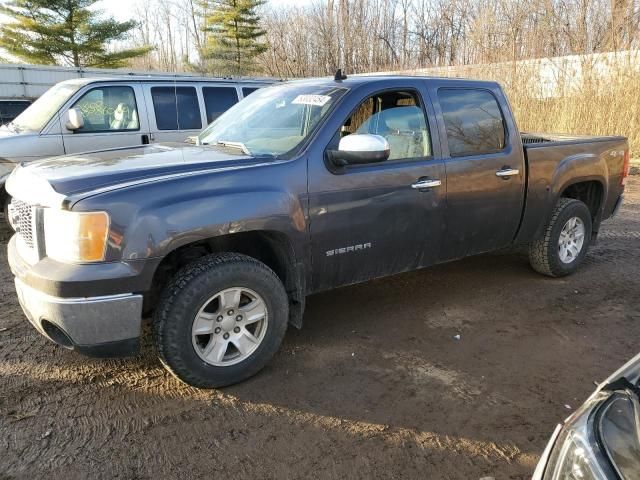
point(374, 386)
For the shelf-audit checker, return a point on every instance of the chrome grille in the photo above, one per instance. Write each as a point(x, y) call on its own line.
point(21, 214)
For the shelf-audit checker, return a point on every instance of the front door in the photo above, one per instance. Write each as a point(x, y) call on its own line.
point(372, 220)
point(485, 170)
point(114, 116)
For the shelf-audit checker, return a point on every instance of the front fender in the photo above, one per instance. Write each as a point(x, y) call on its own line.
point(152, 219)
point(157, 230)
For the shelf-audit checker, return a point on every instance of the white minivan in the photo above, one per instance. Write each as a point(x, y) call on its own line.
point(89, 114)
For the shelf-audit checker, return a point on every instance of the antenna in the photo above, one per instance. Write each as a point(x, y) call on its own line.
point(339, 76)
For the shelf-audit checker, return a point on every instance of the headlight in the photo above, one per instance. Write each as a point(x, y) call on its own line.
point(574, 460)
point(576, 454)
point(75, 236)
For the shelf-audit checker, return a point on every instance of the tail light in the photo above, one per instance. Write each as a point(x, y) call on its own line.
point(626, 167)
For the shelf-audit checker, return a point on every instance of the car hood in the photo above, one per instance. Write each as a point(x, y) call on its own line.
point(6, 132)
point(88, 172)
point(12, 145)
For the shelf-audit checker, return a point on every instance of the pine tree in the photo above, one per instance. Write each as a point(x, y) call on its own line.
point(234, 35)
point(64, 32)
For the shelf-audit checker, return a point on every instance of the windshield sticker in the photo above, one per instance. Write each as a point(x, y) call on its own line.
point(317, 100)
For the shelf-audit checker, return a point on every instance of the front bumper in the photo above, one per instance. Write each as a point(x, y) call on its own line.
point(99, 326)
point(89, 308)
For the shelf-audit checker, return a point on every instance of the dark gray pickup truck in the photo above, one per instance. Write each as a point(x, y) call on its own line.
point(301, 187)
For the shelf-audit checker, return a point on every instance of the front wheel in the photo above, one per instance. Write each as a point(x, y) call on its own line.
point(564, 244)
point(220, 320)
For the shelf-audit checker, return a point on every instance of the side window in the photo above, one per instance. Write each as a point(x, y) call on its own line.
point(398, 117)
point(248, 90)
point(108, 109)
point(218, 100)
point(10, 109)
point(176, 108)
point(473, 121)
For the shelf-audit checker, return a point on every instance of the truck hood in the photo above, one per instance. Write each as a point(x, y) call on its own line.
point(104, 170)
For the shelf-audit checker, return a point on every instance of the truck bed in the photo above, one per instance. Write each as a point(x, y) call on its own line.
point(555, 161)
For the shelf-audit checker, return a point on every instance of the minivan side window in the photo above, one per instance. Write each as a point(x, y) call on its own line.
point(473, 121)
point(248, 90)
point(218, 100)
point(176, 108)
point(108, 109)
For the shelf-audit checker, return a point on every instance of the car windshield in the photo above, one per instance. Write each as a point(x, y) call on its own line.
point(40, 112)
point(272, 121)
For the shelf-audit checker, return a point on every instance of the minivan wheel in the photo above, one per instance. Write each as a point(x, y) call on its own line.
point(565, 242)
point(220, 320)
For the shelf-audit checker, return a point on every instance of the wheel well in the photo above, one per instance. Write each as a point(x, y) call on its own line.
point(271, 248)
point(590, 193)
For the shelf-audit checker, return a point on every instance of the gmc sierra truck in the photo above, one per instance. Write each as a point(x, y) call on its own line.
point(301, 187)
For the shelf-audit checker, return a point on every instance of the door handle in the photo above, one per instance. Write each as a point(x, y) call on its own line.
point(507, 172)
point(145, 139)
point(426, 183)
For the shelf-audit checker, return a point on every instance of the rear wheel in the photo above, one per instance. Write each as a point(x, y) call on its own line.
point(220, 320)
point(564, 244)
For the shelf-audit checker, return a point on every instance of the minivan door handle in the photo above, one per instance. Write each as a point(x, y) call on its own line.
point(506, 172)
point(145, 139)
point(426, 183)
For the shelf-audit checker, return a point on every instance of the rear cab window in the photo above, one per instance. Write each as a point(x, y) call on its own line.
point(473, 120)
point(176, 108)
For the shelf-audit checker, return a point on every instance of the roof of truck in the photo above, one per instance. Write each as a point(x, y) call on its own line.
point(361, 79)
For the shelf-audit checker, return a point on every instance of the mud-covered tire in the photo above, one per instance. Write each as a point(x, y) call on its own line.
point(184, 297)
point(544, 253)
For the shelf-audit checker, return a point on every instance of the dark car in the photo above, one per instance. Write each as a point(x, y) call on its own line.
point(600, 440)
point(299, 188)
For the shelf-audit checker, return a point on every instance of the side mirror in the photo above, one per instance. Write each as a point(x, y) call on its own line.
point(75, 119)
point(357, 149)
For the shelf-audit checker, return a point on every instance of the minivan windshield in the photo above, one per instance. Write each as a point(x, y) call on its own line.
point(40, 112)
point(274, 120)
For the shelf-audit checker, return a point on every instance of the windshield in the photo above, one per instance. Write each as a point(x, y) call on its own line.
point(40, 112)
point(272, 121)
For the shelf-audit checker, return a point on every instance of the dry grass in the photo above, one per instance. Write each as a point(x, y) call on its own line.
point(598, 106)
point(591, 95)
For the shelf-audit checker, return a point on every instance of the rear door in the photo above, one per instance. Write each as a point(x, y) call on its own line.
point(175, 110)
point(114, 116)
point(485, 168)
